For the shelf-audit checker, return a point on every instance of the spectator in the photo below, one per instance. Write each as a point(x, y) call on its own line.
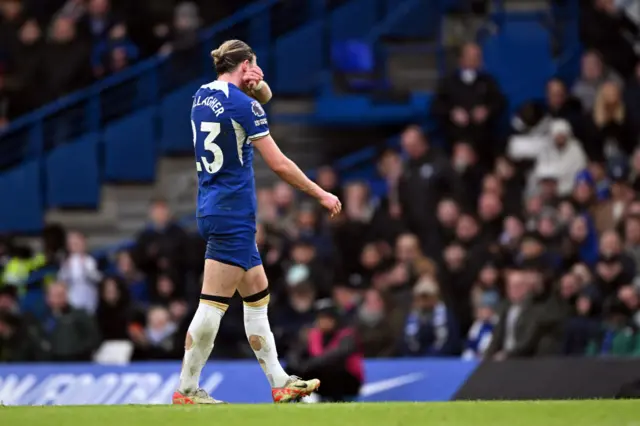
point(469, 171)
point(134, 280)
point(9, 300)
point(581, 243)
point(99, 20)
point(70, 334)
point(512, 233)
point(564, 157)
point(352, 234)
point(616, 335)
point(516, 333)
point(634, 174)
point(427, 179)
point(632, 239)
point(160, 246)
point(481, 331)
point(448, 213)
point(166, 290)
point(431, 329)
point(295, 312)
point(64, 47)
point(513, 184)
point(561, 105)
point(12, 14)
point(114, 309)
point(157, 340)
point(185, 28)
point(602, 25)
point(348, 295)
point(304, 253)
point(614, 268)
point(330, 352)
point(379, 325)
point(469, 236)
point(80, 272)
point(386, 223)
point(114, 53)
point(593, 75)
point(490, 213)
point(612, 136)
point(457, 278)
point(468, 102)
point(28, 66)
point(19, 340)
point(609, 213)
point(632, 94)
point(327, 179)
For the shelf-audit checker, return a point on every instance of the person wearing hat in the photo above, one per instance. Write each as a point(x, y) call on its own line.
point(564, 157)
point(330, 351)
point(431, 329)
point(609, 213)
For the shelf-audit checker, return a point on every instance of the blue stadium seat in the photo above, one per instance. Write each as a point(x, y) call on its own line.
point(354, 61)
point(21, 195)
point(130, 148)
point(73, 174)
point(352, 56)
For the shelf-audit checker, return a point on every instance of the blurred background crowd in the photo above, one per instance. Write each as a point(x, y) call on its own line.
point(93, 38)
point(480, 245)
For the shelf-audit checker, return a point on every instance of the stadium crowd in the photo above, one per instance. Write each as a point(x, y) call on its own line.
point(93, 38)
point(481, 247)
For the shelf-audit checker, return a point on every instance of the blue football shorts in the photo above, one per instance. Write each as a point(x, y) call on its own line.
point(230, 240)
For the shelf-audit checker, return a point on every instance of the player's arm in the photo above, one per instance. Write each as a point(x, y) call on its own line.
point(288, 171)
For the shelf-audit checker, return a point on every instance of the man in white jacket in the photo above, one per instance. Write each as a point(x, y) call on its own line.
point(564, 156)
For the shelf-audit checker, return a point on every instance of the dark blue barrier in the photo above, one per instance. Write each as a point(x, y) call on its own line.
point(21, 196)
point(153, 383)
point(73, 174)
point(175, 121)
point(130, 148)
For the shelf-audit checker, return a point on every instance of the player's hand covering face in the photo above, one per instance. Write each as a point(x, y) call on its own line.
point(252, 76)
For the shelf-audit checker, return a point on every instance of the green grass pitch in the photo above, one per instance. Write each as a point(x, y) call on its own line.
point(532, 413)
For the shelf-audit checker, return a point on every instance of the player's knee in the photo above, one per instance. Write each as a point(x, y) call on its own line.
point(188, 341)
point(258, 299)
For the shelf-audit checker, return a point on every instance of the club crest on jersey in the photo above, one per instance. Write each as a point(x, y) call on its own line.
point(257, 109)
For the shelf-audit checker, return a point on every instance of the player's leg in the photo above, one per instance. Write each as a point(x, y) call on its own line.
point(255, 294)
point(226, 259)
point(219, 285)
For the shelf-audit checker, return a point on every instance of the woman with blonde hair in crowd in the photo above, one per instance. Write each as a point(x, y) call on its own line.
point(610, 132)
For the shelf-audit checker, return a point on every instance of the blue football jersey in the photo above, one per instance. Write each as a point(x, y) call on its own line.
point(224, 121)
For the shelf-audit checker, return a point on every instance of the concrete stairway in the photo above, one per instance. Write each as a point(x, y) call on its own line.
point(123, 208)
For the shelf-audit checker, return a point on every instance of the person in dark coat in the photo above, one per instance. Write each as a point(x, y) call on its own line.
point(65, 47)
point(517, 331)
point(427, 178)
point(161, 246)
point(114, 309)
point(607, 29)
point(468, 102)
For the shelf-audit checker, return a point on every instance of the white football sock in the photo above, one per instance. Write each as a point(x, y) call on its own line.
point(203, 330)
point(256, 325)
